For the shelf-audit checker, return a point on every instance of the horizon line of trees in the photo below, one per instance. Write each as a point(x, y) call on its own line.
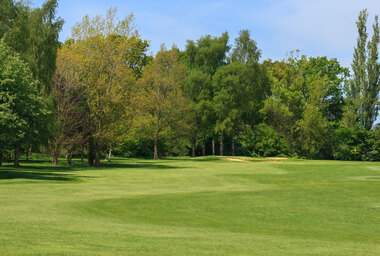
point(100, 93)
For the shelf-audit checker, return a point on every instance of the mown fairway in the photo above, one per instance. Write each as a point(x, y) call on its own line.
point(206, 206)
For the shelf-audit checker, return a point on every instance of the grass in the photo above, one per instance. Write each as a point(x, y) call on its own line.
point(184, 206)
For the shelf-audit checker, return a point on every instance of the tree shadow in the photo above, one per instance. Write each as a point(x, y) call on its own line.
point(35, 175)
point(137, 165)
point(197, 159)
point(37, 170)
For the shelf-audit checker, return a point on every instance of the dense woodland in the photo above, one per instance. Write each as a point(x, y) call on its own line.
point(101, 93)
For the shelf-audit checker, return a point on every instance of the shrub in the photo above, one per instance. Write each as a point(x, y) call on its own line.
point(350, 143)
point(263, 140)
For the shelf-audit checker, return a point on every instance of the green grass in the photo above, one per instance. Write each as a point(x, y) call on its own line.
point(183, 206)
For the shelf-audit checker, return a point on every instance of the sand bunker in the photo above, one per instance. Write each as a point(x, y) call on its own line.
point(237, 160)
point(276, 158)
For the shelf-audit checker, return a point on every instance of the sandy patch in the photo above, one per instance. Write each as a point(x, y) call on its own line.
point(237, 160)
point(276, 158)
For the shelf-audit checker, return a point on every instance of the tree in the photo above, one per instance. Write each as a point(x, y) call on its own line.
point(337, 78)
point(21, 108)
point(161, 110)
point(67, 130)
point(363, 91)
point(245, 50)
point(106, 58)
point(44, 28)
point(202, 59)
point(34, 34)
point(306, 102)
point(198, 88)
point(232, 91)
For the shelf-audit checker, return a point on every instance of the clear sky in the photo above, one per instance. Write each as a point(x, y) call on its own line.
point(315, 27)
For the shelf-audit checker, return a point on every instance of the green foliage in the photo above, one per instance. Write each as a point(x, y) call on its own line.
point(262, 141)
point(161, 112)
point(105, 57)
point(207, 54)
point(306, 102)
point(350, 143)
point(363, 90)
point(374, 144)
point(136, 148)
point(245, 50)
point(23, 113)
point(33, 33)
point(231, 84)
point(313, 131)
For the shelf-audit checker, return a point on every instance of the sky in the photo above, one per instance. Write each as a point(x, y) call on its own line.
point(315, 27)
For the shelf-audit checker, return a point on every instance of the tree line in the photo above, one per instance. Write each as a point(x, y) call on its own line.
point(101, 93)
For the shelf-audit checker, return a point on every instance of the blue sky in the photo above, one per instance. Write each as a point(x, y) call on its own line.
point(315, 27)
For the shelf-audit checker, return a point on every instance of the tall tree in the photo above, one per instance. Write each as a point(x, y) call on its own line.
point(235, 94)
point(198, 88)
point(161, 110)
point(363, 91)
point(34, 34)
point(305, 102)
point(44, 28)
point(371, 91)
point(106, 70)
point(21, 109)
point(202, 59)
point(68, 128)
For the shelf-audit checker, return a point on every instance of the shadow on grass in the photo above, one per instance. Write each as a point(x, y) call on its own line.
point(15, 174)
point(199, 158)
point(42, 170)
point(137, 165)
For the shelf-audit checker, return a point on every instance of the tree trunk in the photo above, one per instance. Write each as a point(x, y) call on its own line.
point(221, 143)
point(91, 154)
point(9, 157)
point(27, 152)
point(233, 143)
point(109, 155)
point(82, 154)
point(213, 145)
point(16, 162)
point(97, 155)
point(156, 148)
point(69, 157)
point(55, 158)
point(193, 149)
point(204, 146)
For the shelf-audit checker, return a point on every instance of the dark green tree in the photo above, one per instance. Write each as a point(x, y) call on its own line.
point(202, 59)
point(22, 110)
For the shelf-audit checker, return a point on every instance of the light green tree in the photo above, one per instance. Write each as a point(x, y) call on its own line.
point(101, 61)
point(161, 110)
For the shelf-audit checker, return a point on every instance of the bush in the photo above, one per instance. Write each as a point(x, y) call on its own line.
point(136, 148)
point(351, 143)
point(374, 145)
point(263, 140)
